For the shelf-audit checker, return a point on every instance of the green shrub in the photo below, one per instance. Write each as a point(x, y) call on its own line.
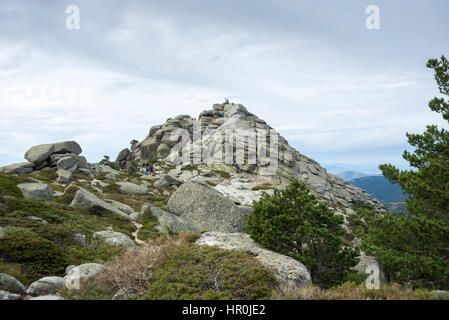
point(8, 185)
point(38, 257)
point(194, 272)
point(294, 223)
point(95, 252)
point(148, 231)
point(46, 175)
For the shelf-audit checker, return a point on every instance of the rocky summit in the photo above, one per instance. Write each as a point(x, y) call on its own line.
point(210, 139)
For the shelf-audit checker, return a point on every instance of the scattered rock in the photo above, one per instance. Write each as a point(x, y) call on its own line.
point(287, 269)
point(85, 200)
point(36, 191)
point(132, 188)
point(11, 284)
point(167, 181)
point(84, 271)
point(64, 176)
point(81, 239)
point(115, 238)
point(206, 208)
point(46, 286)
point(36, 220)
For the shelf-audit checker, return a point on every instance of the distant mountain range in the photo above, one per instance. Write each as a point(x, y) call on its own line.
point(380, 188)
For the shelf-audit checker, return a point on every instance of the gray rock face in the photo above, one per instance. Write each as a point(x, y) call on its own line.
point(18, 168)
point(11, 284)
point(132, 188)
point(115, 238)
point(84, 271)
point(5, 295)
point(286, 269)
point(206, 208)
point(36, 191)
point(67, 147)
point(46, 286)
point(85, 200)
point(170, 222)
point(39, 153)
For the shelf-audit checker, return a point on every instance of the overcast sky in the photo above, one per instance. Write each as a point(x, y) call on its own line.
point(340, 93)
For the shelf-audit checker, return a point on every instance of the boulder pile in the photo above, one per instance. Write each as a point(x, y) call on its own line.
point(65, 156)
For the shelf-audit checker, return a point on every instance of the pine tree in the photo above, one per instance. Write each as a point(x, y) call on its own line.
point(428, 185)
point(293, 222)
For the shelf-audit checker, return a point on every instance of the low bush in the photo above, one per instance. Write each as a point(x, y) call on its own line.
point(37, 256)
point(193, 272)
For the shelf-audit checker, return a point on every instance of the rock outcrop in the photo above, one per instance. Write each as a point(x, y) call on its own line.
point(61, 155)
point(287, 270)
point(214, 125)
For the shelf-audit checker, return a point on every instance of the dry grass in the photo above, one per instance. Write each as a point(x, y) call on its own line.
point(132, 272)
point(350, 291)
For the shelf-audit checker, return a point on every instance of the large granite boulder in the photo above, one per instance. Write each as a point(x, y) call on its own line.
point(36, 191)
point(18, 168)
point(206, 208)
point(115, 238)
point(11, 284)
point(286, 269)
point(46, 286)
point(85, 200)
